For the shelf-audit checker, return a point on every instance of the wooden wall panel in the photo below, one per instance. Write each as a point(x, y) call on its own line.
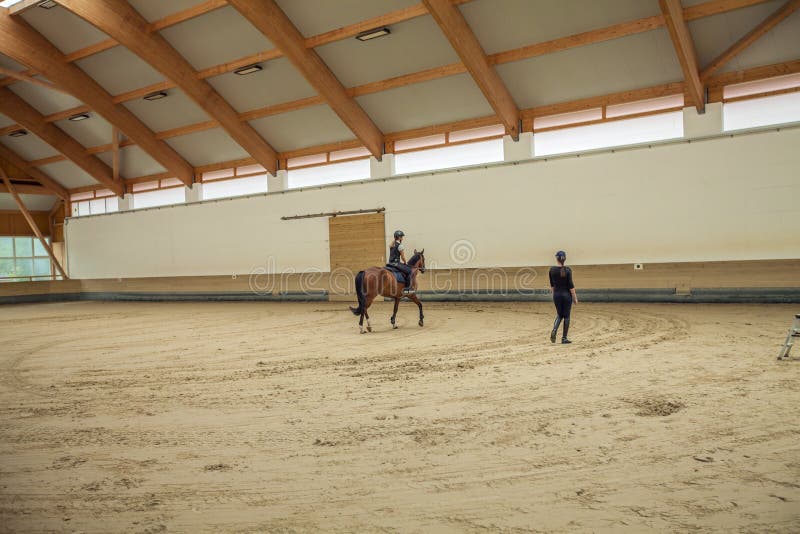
point(357, 241)
point(13, 223)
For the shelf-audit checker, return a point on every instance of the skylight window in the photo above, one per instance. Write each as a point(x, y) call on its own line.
point(9, 3)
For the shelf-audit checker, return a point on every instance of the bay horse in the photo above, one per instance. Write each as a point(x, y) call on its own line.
point(376, 281)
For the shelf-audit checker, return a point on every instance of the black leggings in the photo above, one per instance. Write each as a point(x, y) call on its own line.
point(563, 302)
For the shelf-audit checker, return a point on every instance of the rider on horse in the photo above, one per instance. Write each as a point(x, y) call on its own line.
point(397, 259)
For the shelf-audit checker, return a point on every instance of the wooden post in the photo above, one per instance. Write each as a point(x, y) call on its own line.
point(31, 222)
point(115, 153)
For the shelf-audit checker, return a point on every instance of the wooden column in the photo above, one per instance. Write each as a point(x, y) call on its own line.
point(31, 222)
point(115, 153)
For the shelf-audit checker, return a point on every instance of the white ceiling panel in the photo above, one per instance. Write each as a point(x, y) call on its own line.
point(631, 62)
point(68, 174)
point(174, 111)
point(306, 127)
point(712, 35)
point(414, 45)
point(66, 31)
point(32, 202)
point(217, 37)
point(5, 121)
point(508, 24)
point(46, 101)
point(279, 82)
point(210, 146)
point(423, 104)
point(119, 70)
point(133, 162)
point(8, 63)
point(28, 147)
point(90, 132)
point(313, 17)
point(781, 44)
point(154, 10)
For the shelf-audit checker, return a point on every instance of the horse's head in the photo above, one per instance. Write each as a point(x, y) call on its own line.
point(418, 260)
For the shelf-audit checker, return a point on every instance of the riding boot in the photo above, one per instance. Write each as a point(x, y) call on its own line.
point(566, 331)
point(555, 329)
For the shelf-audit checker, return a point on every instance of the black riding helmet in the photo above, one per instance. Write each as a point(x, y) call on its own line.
point(399, 233)
point(561, 254)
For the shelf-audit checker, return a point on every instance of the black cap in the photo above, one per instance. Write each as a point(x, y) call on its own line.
point(399, 233)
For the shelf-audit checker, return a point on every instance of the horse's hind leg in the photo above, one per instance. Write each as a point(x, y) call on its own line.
point(361, 321)
point(367, 304)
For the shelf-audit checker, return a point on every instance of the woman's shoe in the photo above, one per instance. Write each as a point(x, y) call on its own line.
point(553, 336)
point(564, 341)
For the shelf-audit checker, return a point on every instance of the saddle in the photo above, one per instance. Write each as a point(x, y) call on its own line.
point(398, 274)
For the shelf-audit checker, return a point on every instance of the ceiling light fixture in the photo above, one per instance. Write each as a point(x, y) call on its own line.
point(158, 95)
point(79, 117)
point(47, 4)
point(18, 133)
point(249, 69)
point(373, 34)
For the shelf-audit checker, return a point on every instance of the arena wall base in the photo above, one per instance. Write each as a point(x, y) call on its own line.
point(758, 295)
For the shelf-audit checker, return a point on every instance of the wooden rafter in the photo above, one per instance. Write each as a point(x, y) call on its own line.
point(463, 40)
point(25, 213)
point(615, 31)
point(106, 44)
point(23, 44)
point(30, 79)
point(12, 158)
point(684, 48)
point(121, 21)
point(27, 189)
point(750, 37)
point(17, 109)
point(268, 18)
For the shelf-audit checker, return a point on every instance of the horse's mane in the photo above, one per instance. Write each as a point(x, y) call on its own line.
point(414, 259)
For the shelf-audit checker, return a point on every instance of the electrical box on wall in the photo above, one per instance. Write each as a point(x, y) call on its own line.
point(638, 266)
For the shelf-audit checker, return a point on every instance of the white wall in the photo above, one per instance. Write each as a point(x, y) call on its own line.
point(722, 199)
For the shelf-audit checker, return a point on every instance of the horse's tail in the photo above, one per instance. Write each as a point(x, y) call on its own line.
point(359, 294)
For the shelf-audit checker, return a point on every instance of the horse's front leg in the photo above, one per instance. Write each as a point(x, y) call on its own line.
point(394, 313)
point(415, 298)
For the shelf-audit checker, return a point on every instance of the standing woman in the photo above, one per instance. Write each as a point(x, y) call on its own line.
point(563, 295)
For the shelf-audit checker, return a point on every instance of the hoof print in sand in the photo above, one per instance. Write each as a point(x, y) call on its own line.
point(656, 406)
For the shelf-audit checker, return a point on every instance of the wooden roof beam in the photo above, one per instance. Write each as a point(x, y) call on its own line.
point(684, 48)
point(463, 40)
point(23, 44)
point(750, 37)
point(12, 158)
point(710, 8)
point(27, 189)
point(23, 113)
point(268, 18)
point(122, 22)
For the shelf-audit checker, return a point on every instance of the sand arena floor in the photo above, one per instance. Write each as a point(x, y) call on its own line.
point(251, 417)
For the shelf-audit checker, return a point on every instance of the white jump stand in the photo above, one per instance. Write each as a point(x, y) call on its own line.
point(793, 333)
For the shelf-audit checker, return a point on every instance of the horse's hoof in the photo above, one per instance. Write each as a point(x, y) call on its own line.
point(420, 323)
point(369, 329)
point(394, 327)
